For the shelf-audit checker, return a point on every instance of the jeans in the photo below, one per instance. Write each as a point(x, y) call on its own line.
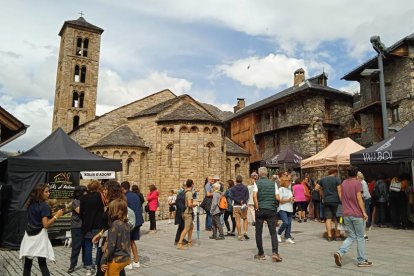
point(88, 252)
point(355, 230)
point(228, 214)
point(180, 229)
point(286, 217)
point(270, 217)
point(208, 220)
point(77, 245)
point(381, 212)
point(153, 224)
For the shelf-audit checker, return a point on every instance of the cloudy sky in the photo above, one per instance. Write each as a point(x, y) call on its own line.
point(215, 50)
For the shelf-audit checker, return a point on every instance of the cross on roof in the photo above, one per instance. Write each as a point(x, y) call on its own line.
point(81, 13)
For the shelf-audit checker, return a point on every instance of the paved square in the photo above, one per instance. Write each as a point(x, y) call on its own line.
point(391, 251)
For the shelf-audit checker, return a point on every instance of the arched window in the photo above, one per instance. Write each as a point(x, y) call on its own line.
point(75, 99)
point(83, 74)
point(79, 46)
point(169, 158)
point(210, 147)
point(163, 130)
point(214, 130)
point(81, 98)
point(194, 129)
point(85, 47)
point(184, 129)
point(82, 47)
point(236, 169)
point(206, 130)
point(75, 122)
point(129, 165)
point(76, 74)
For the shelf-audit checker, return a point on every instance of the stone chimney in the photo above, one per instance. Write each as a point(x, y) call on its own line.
point(298, 77)
point(240, 104)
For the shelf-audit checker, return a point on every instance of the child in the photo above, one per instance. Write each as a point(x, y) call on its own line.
point(171, 204)
point(116, 256)
point(216, 213)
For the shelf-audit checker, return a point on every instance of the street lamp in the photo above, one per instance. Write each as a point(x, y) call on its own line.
point(380, 48)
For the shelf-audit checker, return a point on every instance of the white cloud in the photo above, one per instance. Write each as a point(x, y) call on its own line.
point(294, 22)
point(37, 114)
point(272, 71)
point(114, 91)
point(352, 87)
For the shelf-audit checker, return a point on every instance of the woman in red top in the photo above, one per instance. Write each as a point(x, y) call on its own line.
point(152, 199)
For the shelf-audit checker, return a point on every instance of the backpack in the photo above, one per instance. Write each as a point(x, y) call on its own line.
point(131, 218)
point(180, 203)
point(223, 205)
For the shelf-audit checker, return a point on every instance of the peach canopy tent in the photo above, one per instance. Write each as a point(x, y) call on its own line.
point(336, 154)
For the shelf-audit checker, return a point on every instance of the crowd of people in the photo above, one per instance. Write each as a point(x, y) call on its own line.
point(109, 215)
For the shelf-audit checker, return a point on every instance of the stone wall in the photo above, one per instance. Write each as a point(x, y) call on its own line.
point(100, 127)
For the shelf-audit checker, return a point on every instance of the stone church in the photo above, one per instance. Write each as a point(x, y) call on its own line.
point(162, 139)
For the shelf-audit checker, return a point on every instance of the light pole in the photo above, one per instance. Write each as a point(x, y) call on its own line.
point(380, 48)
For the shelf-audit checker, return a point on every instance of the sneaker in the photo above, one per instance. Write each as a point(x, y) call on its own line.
point(366, 238)
point(279, 238)
point(338, 259)
point(129, 267)
point(289, 241)
point(365, 263)
point(136, 264)
point(71, 269)
point(260, 257)
point(88, 272)
point(246, 237)
point(220, 238)
point(212, 237)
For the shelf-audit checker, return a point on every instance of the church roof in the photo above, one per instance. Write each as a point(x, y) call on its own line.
point(222, 115)
point(154, 110)
point(122, 136)
point(233, 148)
point(80, 23)
point(188, 112)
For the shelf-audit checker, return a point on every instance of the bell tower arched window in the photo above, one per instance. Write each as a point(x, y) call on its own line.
point(81, 99)
point(75, 99)
point(75, 122)
point(83, 74)
point(76, 74)
point(82, 47)
point(85, 47)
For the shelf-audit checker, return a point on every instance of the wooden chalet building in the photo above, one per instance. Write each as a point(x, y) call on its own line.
point(399, 91)
point(305, 117)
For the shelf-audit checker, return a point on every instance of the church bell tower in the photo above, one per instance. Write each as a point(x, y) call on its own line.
point(77, 74)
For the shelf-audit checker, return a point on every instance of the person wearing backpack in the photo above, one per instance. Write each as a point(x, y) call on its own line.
point(240, 195)
point(187, 214)
point(216, 213)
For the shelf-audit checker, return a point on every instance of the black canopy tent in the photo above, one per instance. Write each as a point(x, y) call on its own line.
point(395, 152)
point(286, 158)
point(57, 153)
